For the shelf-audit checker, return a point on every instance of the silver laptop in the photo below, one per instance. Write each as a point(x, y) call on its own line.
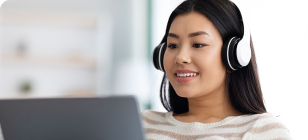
point(112, 118)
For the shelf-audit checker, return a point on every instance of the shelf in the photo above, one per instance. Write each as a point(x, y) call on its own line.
point(73, 60)
point(49, 18)
point(87, 93)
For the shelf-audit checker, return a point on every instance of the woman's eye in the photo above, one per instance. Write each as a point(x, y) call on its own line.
point(198, 45)
point(172, 46)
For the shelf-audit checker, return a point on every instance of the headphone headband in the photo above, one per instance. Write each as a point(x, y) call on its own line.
point(243, 48)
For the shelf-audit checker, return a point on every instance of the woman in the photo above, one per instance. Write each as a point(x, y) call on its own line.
point(207, 97)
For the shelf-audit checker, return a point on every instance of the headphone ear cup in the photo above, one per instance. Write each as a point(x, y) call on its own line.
point(228, 54)
point(155, 57)
point(158, 56)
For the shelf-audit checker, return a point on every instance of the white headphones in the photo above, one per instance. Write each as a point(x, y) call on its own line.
point(236, 52)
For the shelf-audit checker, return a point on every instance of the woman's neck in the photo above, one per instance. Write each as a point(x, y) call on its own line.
point(210, 108)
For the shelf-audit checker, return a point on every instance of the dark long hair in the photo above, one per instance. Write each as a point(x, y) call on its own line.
point(244, 90)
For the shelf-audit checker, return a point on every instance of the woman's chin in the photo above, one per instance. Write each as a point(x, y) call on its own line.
point(185, 94)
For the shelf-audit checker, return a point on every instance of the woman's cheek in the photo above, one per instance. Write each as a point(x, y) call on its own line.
point(168, 63)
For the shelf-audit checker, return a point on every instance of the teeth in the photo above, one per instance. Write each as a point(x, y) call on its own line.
point(186, 74)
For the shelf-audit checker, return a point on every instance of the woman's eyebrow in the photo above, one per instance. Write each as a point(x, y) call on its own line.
point(190, 35)
point(173, 35)
point(198, 33)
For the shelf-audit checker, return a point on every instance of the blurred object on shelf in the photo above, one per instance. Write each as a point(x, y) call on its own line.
point(21, 48)
point(26, 87)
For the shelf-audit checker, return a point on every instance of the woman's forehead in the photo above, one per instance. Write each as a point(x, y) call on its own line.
point(186, 24)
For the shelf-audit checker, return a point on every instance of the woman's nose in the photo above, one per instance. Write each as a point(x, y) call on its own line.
point(183, 57)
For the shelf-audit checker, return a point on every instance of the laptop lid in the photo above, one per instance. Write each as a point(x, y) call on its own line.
point(97, 118)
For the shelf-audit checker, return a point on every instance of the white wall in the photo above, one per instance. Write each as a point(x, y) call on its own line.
point(279, 31)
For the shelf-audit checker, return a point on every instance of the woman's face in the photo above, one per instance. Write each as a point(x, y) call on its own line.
point(192, 60)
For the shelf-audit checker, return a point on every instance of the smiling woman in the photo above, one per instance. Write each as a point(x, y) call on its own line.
point(194, 52)
point(213, 91)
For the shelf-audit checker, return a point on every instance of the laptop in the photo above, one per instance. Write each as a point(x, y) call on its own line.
point(94, 118)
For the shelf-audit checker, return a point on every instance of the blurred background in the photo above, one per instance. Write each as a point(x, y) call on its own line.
point(69, 48)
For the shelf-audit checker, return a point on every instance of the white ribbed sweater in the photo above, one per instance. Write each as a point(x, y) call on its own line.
point(163, 126)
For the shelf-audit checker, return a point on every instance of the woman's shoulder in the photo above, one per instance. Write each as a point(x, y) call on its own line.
point(259, 119)
point(267, 125)
point(268, 119)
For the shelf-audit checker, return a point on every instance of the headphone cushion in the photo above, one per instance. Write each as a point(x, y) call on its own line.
point(158, 56)
point(162, 54)
point(228, 53)
point(155, 57)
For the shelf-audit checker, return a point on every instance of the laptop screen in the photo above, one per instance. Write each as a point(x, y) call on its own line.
point(112, 118)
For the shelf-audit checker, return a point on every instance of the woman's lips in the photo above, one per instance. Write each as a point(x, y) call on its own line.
point(184, 71)
point(185, 79)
